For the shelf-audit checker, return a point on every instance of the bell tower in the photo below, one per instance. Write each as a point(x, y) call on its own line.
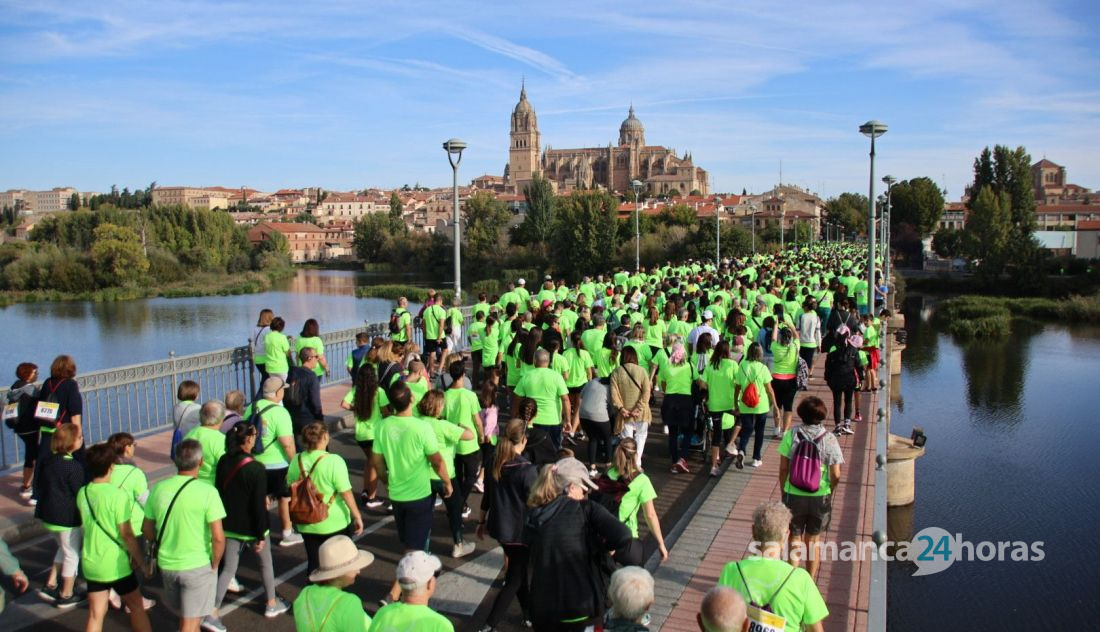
point(523, 150)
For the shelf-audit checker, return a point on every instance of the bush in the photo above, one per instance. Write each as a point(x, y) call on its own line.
point(395, 291)
point(164, 267)
point(71, 276)
point(985, 327)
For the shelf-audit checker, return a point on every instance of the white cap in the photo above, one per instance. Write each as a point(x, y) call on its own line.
point(416, 568)
point(522, 282)
point(708, 315)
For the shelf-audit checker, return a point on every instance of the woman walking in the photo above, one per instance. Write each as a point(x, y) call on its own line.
point(19, 416)
point(367, 401)
point(785, 355)
point(131, 480)
point(60, 479)
point(630, 393)
point(639, 496)
point(580, 369)
point(718, 381)
point(674, 377)
point(59, 402)
point(259, 350)
point(752, 419)
point(430, 411)
point(311, 338)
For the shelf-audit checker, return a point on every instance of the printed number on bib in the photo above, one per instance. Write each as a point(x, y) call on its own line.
point(761, 620)
point(11, 411)
point(47, 411)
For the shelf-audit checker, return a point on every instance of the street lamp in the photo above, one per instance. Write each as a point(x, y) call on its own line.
point(889, 180)
point(752, 215)
point(871, 129)
point(717, 232)
point(782, 226)
point(636, 185)
point(454, 149)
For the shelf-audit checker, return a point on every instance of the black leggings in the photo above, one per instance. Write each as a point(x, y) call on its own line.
point(30, 449)
point(599, 437)
point(453, 504)
point(676, 413)
point(466, 469)
point(807, 354)
point(515, 584)
point(847, 392)
point(312, 543)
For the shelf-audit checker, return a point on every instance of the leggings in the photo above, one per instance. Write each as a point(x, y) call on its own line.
point(453, 505)
point(676, 412)
point(599, 438)
point(466, 468)
point(807, 354)
point(847, 392)
point(30, 449)
point(515, 584)
point(232, 559)
point(68, 550)
point(752, 424)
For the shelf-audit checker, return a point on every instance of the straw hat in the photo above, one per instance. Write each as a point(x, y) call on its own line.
point(339, 556)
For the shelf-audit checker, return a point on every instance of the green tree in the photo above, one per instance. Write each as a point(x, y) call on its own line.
point(990, 231)
point(917, 202)
point(948, 243)
point(850, 210)
point(1008, 171)
point(486, 218)
point(372, 233)
point(674, 193)
point(585, 232)
point(74, 201)
point(678, 215)
point(117, 255)
point(538, 223)
point(397, 224)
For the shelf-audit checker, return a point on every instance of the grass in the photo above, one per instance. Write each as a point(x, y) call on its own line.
point(196, 285)
point(394, 291)
point(991, 316)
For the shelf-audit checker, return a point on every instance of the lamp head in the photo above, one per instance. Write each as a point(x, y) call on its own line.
point(636, 183)
point(454, 146)
point(873, 129)
point(889, 180)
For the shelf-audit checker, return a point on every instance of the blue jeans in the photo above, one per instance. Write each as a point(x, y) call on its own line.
point(752, 424)
point(554, 432)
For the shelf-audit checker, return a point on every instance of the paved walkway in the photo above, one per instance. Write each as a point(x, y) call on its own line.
point(721, 530)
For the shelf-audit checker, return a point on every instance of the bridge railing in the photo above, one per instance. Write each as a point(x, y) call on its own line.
point(139, 398)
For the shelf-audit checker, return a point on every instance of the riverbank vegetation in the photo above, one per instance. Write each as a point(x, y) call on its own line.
point(991, 316)
point(395, 291)
point(118, 254)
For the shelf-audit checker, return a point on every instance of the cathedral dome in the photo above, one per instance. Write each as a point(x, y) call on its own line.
point(631, 124)
point(524, 105)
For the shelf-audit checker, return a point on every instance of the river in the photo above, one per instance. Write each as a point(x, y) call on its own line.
point(106, 335)
point(1011, 456)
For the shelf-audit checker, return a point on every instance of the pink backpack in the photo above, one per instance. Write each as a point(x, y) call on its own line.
point(806, 462)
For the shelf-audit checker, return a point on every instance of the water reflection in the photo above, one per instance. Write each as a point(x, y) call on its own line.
point(995, 371)
point(922, 342)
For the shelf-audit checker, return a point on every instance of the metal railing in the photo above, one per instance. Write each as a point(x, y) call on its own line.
point(876, 610)
point(139, 398)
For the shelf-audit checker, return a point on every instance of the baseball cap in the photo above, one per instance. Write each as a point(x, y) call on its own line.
point(272, 385)
point(416, 568)
point(522, 282)
point(570, 470)
point(707, 315)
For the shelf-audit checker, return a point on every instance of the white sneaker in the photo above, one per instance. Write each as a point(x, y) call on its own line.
point(26, 493)
point(757, 463)
point(212, 623)
point(479, 487)
point(462, 549)
point(290, 539)
point(114, 599)
point(276, 609)
point(234, 586)
point(731, 449)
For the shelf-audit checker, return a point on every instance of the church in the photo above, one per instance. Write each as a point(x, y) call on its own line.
point(613, 167)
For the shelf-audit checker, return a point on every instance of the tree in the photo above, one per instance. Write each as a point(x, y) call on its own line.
point(989, 231)
point(850, 210)
point(678, 215)
point(372, 232)
point(695, 192)
point(674, 193)
point(397, 208)
point(948, 243)
point(1008, 171)
point(585, 232)
point(118, 255)
point(486, 218)
point(538, 224)
point(74, 201)
point(917, 202)
point(744, 191)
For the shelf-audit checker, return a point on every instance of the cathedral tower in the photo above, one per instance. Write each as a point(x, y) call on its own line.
point(523, 152)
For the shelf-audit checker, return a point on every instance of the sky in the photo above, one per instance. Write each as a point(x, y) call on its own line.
point(359, 93)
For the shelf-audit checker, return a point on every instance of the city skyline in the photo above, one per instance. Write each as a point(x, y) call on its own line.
point(346, 97)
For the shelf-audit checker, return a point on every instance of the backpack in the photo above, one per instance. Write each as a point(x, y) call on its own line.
point(840, 366)
point(307, 505)
point(609, 493)
point(395, 322)
point(293, 398)
point(256, 418)
point(358, 356)
point(803, 376)
point(806, 462)
point(760, 616)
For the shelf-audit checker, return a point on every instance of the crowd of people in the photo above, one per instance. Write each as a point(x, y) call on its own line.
point(542, 403)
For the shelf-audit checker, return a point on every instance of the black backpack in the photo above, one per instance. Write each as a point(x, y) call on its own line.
point(293, 398)
point(395, 322)
point(256, 418)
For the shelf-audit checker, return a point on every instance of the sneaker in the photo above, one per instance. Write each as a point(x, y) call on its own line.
point(666, 429)
point(26, 492)
point(593, 472)
point(778, 434)
point(487, 628)
point(290, 539)
point(33, 502)
point(731, 449)
point(847, 429)
point(234, 586)
point(674, 469)
point(276, 609)
point(857, 417)
point(757, 463)
point(64, 603)
point(568, 438)
point(715, 471)
point(146, 605)
point(114, 599)
point(479, 487)
point(739, 461)
point(462, 549)
point(682, 466)
point(466, 511)
point(438, 502)
point(49, 593)
point(375, 503)
point(212, 623)
point(579, 435)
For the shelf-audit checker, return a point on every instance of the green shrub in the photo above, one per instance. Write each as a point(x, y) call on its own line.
point(396, 291)
point(984, 327)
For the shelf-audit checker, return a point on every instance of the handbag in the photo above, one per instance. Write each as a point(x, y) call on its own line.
point(155, 549)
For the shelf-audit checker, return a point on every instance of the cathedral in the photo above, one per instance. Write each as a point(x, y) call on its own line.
point(613, 167)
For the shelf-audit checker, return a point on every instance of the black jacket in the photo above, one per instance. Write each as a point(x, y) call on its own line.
point(27, 396)
point(840, 367)
point(569, 541)
point(59, 479)
point(506, 500)
point(308, 387)
point(245, 497)
point(540, 448)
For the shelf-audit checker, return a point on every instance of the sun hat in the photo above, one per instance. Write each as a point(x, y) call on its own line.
point(416, 568)
point(570, 470)
point(337, 557)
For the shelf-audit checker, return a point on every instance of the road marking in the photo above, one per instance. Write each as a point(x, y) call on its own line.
point(462, 590)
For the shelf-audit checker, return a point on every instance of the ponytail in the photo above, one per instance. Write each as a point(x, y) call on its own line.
point(514, 434)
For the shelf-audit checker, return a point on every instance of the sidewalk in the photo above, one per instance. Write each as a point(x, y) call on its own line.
point(17, 521)
point(721, 530)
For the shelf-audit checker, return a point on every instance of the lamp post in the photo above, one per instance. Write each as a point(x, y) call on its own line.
point(717, 232)
point(636, 185)
point(454, 149)
point(871, 129)
point(889, 180)
point(782, 227)
point(752, 216)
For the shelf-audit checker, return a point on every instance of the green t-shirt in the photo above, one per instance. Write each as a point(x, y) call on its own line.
point(545, 387)
point(460, 406)
point(602, 359)
point(402, 617)
point(320, 608)
point(784, 449)
point(871, 337)
point(860, 292)
point(578, 362)
point(213, 447)
point(277, 346)
point(758, 374)
point(474, 334)
point(186, 541)
point(454, 315)
point(314, 343)
point(448, 435)
point(404, 319)
point(103, 556)
point(276, 424)
point(480, 308)
point(675, 378)
point(720, 383)
point(784, 359)
point(330, 477)
point(406, 444)
point(433, 319)
point(559, 365)
point(638, 493)
point(418, 389)
point(655, 334)
point(799, 601)
point(645, 354)
point(364, 428)
point(131, 480)
point(592, 339)
point(490, 347)
point(679, 328)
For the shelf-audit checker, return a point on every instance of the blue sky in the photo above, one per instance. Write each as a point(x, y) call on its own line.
point(350, 94)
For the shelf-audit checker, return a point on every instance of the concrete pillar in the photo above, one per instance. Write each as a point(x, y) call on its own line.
point(901, 471)
point(895, 358)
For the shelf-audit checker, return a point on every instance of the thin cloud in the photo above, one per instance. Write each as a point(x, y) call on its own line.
point(523, 54)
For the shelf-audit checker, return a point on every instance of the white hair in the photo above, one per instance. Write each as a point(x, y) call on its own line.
point(722, 610)
point(770, 522)
point(631, 592)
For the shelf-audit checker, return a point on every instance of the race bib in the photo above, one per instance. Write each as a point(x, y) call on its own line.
point(11, 411)
point(47, 411)
point(761, 620)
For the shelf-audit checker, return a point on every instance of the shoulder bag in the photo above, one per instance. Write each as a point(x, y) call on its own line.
point(155, 550)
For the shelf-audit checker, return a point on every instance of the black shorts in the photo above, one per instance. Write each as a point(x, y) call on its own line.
point(433, 346)
point(809, 514)
point(575, 390)
point(719, 437)
point(276, 483)
point(366, 446)
point(414, 522)
point(123, 586)
point(785, 391)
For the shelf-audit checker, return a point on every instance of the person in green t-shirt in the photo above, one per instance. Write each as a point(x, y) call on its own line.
point(329, 474)
point(210, 437)
point(275, 449)
point(430, 411)
point(752, 419)
point(110, 552)
point(366, 400)
point(416, 575)
point(639, 495)
point(475, 335)
point(718, 379)
point(191, 538)
point(461, 408)
point(434, 315)
point(277, 346)
point(325, 606)
point(311, 338)
point(128, 477)
point(406, 452)
point(550, 393)
point(404, 321)
point(774, 590)
point(581, 369)
point(674, 376)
